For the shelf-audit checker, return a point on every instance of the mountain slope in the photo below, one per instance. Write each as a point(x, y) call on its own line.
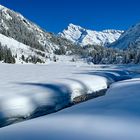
point(14, 25)
point(83, 37)
point(21, 52)
point(131, 38)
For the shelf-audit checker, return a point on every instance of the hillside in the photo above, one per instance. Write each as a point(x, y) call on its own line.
point(130, 39)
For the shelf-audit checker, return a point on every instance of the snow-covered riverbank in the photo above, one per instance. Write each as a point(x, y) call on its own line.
point(27, 89)
point(113, 116)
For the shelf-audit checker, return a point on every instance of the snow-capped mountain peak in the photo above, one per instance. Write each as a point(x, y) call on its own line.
point(83, 37)
point(72, 26)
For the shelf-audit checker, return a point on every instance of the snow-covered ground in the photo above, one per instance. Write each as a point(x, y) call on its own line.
point(114, 116)
point(25, 89)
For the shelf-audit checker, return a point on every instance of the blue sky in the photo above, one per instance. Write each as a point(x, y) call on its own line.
point(55, 15)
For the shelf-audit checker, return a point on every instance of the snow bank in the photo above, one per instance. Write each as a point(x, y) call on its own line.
point(27, 89)
point(115, 116)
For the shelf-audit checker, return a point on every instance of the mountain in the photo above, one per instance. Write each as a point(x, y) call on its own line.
point(83, 37)
point(131, 38)
point(16, 27)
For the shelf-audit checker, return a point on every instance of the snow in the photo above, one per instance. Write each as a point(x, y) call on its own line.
point(84, 37)
point(2, 23)
point(16, 106)
point(4, 12)
point(83, 84)
point(130, 38)
point(2, 7)
point(28, 88)
point(113, 116)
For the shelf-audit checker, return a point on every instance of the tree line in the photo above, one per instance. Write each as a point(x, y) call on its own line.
point(6, 55)
point(103, 55)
